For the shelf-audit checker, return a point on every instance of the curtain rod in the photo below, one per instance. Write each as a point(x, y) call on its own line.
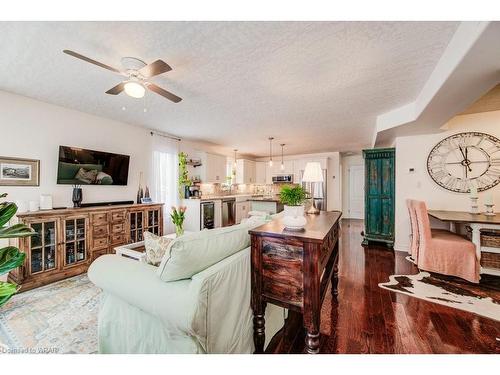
point(163, 135)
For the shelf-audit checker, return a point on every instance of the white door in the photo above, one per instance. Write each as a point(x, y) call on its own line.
point(356, 192)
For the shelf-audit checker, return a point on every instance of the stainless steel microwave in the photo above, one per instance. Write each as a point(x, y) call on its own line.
point(283, 179)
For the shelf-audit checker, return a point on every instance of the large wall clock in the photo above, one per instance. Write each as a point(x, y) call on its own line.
point(464, 160)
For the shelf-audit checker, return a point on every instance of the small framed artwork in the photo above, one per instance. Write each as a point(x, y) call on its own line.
point(19, 172)
point(146, 200)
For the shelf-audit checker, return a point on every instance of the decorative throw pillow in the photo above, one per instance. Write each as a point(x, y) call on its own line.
point(86, 175)
point(156, 247)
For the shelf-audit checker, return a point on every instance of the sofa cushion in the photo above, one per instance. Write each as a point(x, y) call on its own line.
point(192, 253)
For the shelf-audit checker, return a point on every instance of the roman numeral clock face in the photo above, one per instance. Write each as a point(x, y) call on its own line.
point(464, 160)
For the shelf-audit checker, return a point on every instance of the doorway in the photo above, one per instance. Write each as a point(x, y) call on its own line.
point(356, 209)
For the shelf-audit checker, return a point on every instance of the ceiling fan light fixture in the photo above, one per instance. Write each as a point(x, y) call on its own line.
point(134, 89)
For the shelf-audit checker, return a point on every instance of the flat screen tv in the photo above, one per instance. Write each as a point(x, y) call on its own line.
point(78, 166)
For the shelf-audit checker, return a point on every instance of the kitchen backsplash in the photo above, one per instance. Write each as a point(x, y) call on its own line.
point(219, 189)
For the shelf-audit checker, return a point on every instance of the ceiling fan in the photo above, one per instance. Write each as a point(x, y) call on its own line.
point(137, 73)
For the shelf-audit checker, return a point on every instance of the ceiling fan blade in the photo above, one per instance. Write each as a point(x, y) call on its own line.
point(155, 68)
point(84, 58)
point(163, 92)
point(117, 89)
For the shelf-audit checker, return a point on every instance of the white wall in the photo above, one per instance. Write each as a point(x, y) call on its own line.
point(412, 152)
point(35, 130)
point(347, 162)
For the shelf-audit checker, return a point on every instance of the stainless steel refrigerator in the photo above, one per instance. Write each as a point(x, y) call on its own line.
point(319, 193)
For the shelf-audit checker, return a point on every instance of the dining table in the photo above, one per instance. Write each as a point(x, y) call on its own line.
point(477, 222)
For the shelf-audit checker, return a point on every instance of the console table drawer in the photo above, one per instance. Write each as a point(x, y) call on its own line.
point(117, 228)
point(100, 230)
point(100, 243)
point(118, 239)
point(99, 218)
point(282, 261)
point(281, 292)
point(118, 216)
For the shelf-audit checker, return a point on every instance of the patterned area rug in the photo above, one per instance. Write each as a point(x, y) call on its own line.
point(57, 318)
point(484, 301)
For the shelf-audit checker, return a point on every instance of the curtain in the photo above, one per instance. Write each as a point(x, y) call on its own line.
point(165, 174)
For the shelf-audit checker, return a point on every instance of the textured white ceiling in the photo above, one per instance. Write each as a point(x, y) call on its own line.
point(316, 86)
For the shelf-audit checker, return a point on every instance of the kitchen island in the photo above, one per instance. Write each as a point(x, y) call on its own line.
point(271, 205)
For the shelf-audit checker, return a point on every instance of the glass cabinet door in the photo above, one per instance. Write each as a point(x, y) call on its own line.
point(136, 226)
point(74, 241)
point(153, 221)
point(43, 247)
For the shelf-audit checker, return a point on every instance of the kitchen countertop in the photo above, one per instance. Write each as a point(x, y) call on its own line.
point(217, 197)
point(265, 199)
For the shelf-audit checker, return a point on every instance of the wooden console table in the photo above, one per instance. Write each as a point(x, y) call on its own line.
point(292, 270)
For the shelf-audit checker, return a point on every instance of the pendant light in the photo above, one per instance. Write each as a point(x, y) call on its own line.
point(282, 167)
point(235, 151)
point(271, 151)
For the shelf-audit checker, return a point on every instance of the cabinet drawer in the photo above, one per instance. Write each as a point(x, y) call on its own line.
point(118, 216)
point(99, 218)
point(117, 228)
point(118, 239)
point(99, 243)
point(100, 230)
point(282, 262)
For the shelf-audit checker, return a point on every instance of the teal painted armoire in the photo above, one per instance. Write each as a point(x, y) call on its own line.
point(379, 195)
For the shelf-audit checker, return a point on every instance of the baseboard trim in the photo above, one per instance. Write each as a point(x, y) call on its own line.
point(401, 247)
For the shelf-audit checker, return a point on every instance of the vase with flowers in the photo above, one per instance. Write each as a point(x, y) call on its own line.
point(177, 215)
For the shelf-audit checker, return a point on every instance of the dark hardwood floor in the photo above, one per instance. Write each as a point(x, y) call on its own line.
point(369, 319)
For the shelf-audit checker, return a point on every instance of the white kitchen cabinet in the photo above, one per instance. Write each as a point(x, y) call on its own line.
point(242, 209)
point(288, 167)
point(260, 172)
point(245, 171)
point(217, 213)
point(214, 168)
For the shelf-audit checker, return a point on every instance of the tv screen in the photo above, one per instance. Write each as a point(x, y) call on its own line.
point(87, 167)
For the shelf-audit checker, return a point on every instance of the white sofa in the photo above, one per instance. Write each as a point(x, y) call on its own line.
point(209, 312)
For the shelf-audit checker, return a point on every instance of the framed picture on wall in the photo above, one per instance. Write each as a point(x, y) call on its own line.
point(19, 172)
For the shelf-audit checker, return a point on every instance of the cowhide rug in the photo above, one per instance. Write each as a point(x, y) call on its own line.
point(484, 301)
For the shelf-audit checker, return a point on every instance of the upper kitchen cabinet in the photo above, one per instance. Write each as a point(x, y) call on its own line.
point(213, 168)
point(245, 171)
point(260, 172)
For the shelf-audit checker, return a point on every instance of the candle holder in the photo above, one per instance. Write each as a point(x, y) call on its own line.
point(489, 209)
point(474, 206)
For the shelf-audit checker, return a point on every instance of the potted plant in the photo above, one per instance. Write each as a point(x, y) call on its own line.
point(184, 180)
point(293, 198)
point(177, 216)
point(10, 256)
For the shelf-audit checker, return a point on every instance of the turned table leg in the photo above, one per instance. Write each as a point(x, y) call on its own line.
point(335, 281)
point(335, 277)
point(312, 342)
point(259, 328)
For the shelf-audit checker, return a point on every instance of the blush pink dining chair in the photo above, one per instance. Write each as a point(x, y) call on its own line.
point(413, 230)
point(444, 252)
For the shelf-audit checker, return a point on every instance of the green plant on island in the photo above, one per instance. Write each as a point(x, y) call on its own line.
point(10, 256)
point(293, 195)
point(184, 179)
